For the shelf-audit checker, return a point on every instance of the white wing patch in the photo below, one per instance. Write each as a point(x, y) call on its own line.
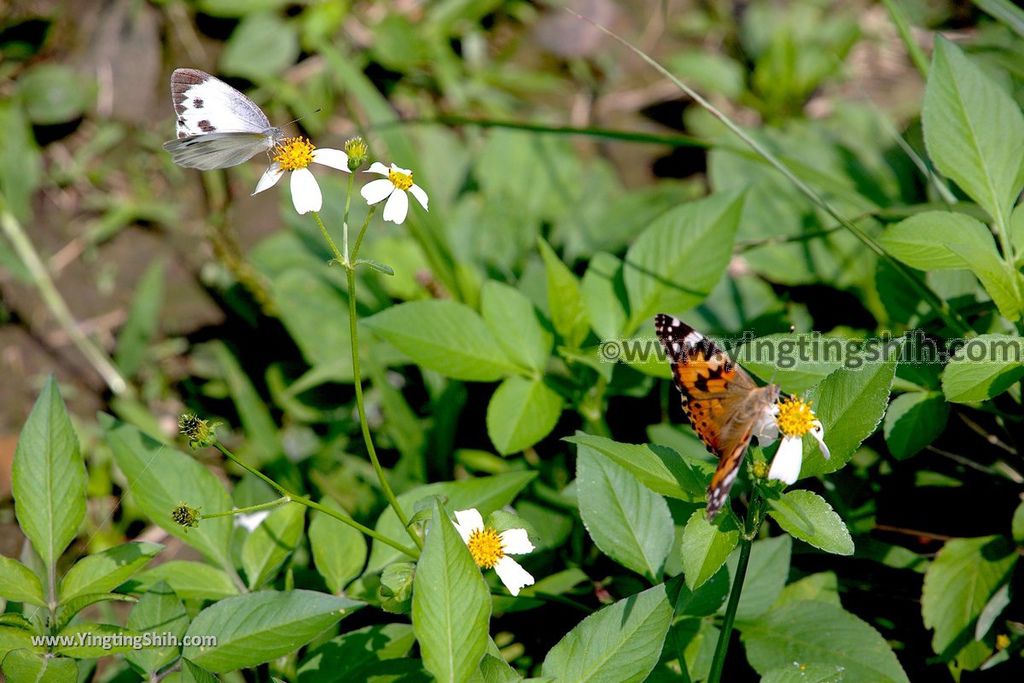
point(204, 104)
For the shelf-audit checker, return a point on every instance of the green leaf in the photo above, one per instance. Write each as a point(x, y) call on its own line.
point(1017, 525)
point(261, 47)
point(974, 131)
point(604, 295)
point(913, 421)
point(263, 443)
point(799, 672)
point(339, 551)
point(48, 477)
point(930, 240)
point(521, 413)
point(513, 321)
point(451, 604)
point(316, 316)
point(54, 93)
point(814, 632)
point(674, 264)
point(565, 299)
point(259, 627)
point(191, 673)
point(270, 544)
point(850, 404)
point(24, 665)
point(957, 586)
point(160, 477)
point(447, 337)
point(19, 584)
point(189, 580)
point(69, 608)
point(769, 562)
point(628, 522)
point(238, 8)
point(486, 494)
point(810, 518)
point(92, 641)
point(20, 174)
point(619, 644)
point(143, 319)
point(659, 468)
point(359, 655)
point(105, 571)
point(984, 367)
point(12, 638)
point(706, 546)
point(823, 586)
point(776, 358)
point(159, 611)
point(707, 599)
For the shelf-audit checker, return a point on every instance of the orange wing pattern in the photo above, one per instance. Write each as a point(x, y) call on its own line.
point(720, 399)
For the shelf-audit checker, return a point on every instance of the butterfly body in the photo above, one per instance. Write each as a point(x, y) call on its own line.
point(217, 126)
point(724, 405)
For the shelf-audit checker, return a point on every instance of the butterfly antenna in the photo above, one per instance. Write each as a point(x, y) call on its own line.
point(315, 111)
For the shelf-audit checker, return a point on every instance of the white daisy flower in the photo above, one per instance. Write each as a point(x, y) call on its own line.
point(295, 155)
point(393, 188)
point(793, 419)
point(492, 549)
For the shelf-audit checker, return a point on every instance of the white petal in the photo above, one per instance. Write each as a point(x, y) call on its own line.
point(420, 195)
point(468, 521)
point(818, 432)
point(251, 520)
point(379, 168)
point(377, 190)
point(404, 171)
point(767, 429)
point(305, 192)
point(515, 541)
point(397, 207)
point(334, 158)
point(270, 178)
point(512, 575)
point(786, 465)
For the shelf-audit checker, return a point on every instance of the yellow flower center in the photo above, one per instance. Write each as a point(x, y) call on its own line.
point(294, 153)
point(1002, 641)
point(403, 181)
point(485, 547)
point(795, 417)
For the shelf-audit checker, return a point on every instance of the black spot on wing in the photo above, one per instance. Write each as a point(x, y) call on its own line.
point(206, 126)
point(197, 103)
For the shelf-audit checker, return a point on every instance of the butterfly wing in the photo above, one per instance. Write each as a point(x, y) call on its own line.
point(723, 404)
point(217, 125)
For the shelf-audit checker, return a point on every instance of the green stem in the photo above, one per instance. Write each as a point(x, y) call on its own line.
point(344, 220)
point(350, 271)
point(330, 242)
point(899, 17)
point(251, 508)
point(951, 317)
point(58, 307)
point(746, 541)
point(302, 500)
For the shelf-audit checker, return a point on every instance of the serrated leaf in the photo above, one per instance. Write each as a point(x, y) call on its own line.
point(106, 570)
point(270, 544)
point(677, 260)
point(813, 632)
point(25, 665)
point(807, 516)
point(958, 584)
point(359, 655)
point(706, 546)
point(451, 604)
point(984, 367)
point(339, 551)
point(627, 521)
point(974, 131)
point(259, 627)
point(48, 477)
point(913, 421)
point(159, 611)
point(520, 413)
point(19, 584)
point(160, 477)
point(769, 562)
point(565, 300)
point(445, 336)
point(69, 608)
point(316, 316)
point(604, 295)
point(619, 644)
point(189, 580)
point(659, 468)
point(92, 641)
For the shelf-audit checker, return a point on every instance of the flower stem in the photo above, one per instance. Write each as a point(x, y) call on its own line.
point(251, 508)
point(725, 635)
point(357, 380)
point(302, 500)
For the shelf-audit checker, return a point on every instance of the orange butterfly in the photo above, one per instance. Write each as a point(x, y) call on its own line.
point(723, 403)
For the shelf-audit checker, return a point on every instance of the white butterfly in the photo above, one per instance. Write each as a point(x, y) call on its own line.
point(217, 126)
